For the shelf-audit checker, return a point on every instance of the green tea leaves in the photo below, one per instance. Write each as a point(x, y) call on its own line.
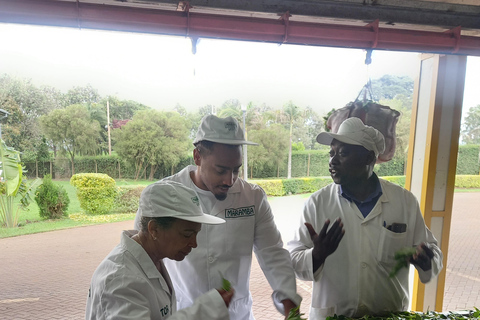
point(402, 257)
point(226, 285)
point(295, 314)
point(412, 315)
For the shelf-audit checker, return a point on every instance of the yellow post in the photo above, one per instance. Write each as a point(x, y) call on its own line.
point(432, 157)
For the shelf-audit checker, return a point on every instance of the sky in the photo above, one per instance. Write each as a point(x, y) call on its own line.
point(161, 71)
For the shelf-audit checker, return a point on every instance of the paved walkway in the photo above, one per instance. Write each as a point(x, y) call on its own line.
point(46, 276)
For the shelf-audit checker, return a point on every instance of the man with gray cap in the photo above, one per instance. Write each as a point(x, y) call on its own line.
point(227, 249)
point(132, 282)
point(362, 221)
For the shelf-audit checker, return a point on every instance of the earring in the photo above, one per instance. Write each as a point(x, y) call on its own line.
point(154, 238)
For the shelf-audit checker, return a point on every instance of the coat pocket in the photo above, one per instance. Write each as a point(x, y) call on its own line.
point(239, 235)
point(321, 313)
point(389, 243)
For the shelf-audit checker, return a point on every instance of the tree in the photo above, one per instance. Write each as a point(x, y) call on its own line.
point(98, 112)
point(25, 103)
point(82, 95)
point(389, 87)
point(471, 126)
point(272, 148)
point(122, 109)
point(71, 130)
point(153, 138)
point(232, 108)
point(306, 128)
point(291, 112)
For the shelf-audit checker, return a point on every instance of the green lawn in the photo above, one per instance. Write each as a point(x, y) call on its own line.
point(31, 222)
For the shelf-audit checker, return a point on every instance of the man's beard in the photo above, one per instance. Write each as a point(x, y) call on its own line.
point(220, 197)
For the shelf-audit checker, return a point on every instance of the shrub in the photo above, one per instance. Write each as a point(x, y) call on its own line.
point(271, 187)
point(52, 199)
point(95, 191)
point(310, 185)
point(127, 199)
point(400, 180)
point(467, 162)
point(467, 181)
point(281, 187)
point(291, 186)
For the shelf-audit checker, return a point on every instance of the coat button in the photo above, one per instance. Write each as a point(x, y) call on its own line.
point(211, 259)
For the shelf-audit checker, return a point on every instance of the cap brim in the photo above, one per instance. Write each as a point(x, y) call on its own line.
point(205, 219)
point(326, 138)
point(230, 142)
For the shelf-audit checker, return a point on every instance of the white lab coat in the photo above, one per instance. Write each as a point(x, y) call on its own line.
point(227, 249)
point(354, 280)
point(127, 285)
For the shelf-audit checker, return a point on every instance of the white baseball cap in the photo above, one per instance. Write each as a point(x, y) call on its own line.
point(353, 131)
point(173, 199)
point(221, 130)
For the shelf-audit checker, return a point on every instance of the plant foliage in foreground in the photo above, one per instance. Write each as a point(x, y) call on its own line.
point(295, 314)
point(13, 184)
point(412, 315)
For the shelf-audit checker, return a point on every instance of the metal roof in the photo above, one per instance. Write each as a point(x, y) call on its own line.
point(437, 26)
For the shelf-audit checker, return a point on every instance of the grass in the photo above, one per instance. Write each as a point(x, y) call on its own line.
point(30, 221)
point(466, 190)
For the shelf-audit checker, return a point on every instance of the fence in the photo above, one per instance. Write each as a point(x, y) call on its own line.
point(304, 164)
point(113, 166)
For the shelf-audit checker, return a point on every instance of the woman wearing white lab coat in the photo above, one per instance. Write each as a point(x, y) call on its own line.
point(132, 281)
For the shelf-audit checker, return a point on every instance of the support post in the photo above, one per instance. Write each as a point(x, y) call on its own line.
point(432, 158)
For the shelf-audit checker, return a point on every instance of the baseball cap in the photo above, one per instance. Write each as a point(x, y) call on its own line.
point(221, 130)
point(173, 199)
point(353, 131)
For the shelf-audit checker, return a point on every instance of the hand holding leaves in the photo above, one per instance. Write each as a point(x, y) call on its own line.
point(226, 285)
point(402, 257)
point(226, 291)
point(422, 257)
point(295, 314)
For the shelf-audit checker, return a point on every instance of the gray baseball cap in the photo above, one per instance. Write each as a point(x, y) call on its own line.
point(221, 130)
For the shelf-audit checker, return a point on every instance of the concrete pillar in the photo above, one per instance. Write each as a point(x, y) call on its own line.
point(432, 157)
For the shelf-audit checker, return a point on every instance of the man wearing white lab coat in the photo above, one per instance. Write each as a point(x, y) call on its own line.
point(226, 250)
point(368, 220)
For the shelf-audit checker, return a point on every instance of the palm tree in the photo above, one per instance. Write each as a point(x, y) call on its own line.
point(292, 112)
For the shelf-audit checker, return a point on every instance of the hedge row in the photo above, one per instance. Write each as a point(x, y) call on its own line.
point(98, 194)
point(282, 187)
point(467, 181)
point(468, 159)
point(312, 163)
